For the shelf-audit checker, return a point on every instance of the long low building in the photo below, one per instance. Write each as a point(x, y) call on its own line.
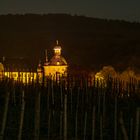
point(26, 71)
point(18, 69)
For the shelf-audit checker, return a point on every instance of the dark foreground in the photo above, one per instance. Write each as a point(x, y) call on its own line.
point(72, 110)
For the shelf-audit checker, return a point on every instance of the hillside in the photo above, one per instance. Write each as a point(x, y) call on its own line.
point(88, 42)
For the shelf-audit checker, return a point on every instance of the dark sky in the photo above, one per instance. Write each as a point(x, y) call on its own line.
point(112, 9)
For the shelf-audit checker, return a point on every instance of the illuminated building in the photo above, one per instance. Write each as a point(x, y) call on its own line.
point(57, 64)
point(18, 69)
point(21, 70)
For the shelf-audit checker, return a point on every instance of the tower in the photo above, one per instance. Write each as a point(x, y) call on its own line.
point(57, 64)
point(46, 58)
point(39, 72)
point(57, 49)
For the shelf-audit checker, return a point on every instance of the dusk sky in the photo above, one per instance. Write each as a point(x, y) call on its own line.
point(111, 9)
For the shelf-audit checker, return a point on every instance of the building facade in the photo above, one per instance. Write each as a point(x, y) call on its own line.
point(57, 64)
point(26, 72)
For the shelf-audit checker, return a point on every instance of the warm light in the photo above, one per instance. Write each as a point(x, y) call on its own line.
point(57, 50)
point(58, 63)
point(100, 80)
point(99, 76)
point(52, 70)
point(25, 77)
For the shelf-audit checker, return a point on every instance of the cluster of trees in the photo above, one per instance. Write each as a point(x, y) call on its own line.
point(109, 71)
point(89, 42)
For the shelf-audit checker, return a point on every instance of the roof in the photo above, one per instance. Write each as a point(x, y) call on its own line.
point(57, 59)
point(19, 64)
point(57, 47)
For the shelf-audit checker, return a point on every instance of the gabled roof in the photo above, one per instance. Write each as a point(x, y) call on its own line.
point(57, 59)
point(19, 64)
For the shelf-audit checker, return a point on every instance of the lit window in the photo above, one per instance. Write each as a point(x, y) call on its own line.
point(58, 63)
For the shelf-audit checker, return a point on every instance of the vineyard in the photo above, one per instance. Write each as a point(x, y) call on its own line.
point(72, 108)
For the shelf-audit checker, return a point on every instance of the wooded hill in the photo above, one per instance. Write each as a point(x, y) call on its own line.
point(88, 42)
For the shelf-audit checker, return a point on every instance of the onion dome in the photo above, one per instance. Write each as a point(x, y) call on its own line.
point(57, 59)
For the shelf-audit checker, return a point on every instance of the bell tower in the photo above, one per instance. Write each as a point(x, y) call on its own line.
point(57, 49)
point(57, 64)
